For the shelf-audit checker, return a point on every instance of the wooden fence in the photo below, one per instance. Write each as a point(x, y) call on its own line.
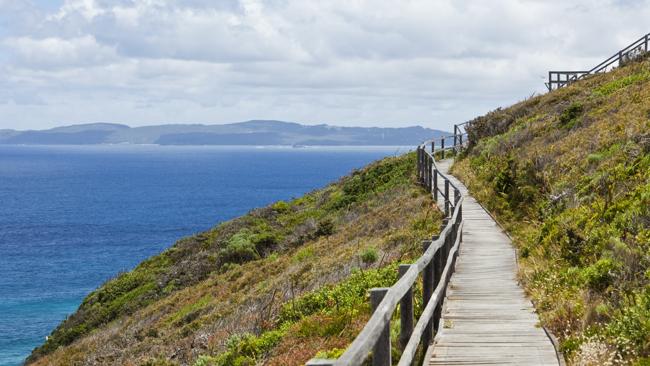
point(558, 79)
point(434, 269)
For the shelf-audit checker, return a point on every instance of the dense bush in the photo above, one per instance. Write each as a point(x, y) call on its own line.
point(349, 294)
point(244, 349)
point(569, 116)
point(369, 255)
point(363, 183)
point(325, 227)
point(568, 173)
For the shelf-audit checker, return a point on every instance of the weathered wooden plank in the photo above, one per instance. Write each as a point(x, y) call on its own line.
point(487, 319)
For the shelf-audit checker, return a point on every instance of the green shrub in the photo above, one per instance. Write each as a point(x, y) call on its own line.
point(265, 240)
point(644, 361)
point(569, 345)
point(325, 227)
point(244, 349)
point(504, 181)
point(303, 254)
point(345, 295)
point(598, 276)
point(594, 158)
point(228, 267)
point(190, 312)
point(631, 326)
point(333, 353)
point(377, 178)
point(281, 206)
point(319, 327)
point(621, 83)
point(569, 116)
point(369, 255)
point(239, 248)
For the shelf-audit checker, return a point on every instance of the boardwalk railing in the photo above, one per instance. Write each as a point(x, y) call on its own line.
point(436, 266)
point(558, 79)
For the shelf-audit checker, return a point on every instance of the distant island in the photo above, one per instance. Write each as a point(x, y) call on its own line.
point(257, 132)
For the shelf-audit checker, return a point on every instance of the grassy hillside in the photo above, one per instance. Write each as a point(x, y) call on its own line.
point(568, 174)
point(279, 284)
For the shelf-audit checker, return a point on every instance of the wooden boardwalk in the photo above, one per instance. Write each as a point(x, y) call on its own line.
point(487, 319)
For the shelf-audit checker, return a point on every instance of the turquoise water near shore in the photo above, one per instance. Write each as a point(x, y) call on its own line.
point(72, 217)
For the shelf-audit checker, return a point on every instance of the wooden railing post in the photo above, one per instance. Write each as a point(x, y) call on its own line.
point(459, 234)
point(421, 166)
point(424, 164)
point(446, 197)
point(426, 168)
point(381, 353)
point(417, 162)
point(405, 310)
point(438, 267)
point(433, 147)
point(439, 260)
point(442, 147)
point(620, 58)
point(427, 291)
point(435, 185)
point(448, 243)
point(446, 258)
point(455, 134)
point(454, 233)
point(430, 175)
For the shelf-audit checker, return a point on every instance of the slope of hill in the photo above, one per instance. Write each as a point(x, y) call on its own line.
point(243, 133)
point(276, 285)
point(568, 174)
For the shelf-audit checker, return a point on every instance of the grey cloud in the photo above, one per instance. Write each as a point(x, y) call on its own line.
point(364, 62)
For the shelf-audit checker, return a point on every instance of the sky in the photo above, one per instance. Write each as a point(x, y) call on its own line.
point(388, 63)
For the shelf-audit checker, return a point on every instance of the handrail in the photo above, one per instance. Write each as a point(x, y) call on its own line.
point(617, 55)
point(436, 265)
point(558, 79)
point(411, 347)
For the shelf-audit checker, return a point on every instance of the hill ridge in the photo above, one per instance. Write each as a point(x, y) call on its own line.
point(253, 132)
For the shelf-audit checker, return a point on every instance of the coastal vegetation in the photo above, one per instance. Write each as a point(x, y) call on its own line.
point(568, 174)
point(279, 285)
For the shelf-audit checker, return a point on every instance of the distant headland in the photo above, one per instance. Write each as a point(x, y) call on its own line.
point(256, 132)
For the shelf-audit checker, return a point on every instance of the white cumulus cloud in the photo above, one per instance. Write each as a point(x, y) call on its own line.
point(362, 62)
point(59, 52)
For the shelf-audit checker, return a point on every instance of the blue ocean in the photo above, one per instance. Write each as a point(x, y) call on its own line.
point(72, 217)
